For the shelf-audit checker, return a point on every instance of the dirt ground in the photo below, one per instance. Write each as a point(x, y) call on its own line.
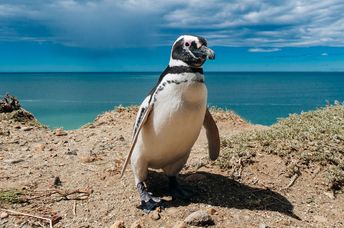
point(72, 178)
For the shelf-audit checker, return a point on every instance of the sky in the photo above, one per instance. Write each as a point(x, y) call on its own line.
point(136, 35)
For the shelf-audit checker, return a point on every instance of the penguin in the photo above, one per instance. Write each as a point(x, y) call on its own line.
point(170, 119)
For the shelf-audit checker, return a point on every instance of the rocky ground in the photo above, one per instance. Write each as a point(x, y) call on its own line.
point(71, 178)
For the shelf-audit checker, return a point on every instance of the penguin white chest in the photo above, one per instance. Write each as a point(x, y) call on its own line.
point(175, 122)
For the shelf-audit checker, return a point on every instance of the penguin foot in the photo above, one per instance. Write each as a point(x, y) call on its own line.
point(178, 191)
point(148, 201)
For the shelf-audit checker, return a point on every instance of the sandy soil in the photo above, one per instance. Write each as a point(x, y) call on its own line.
point(72, 177)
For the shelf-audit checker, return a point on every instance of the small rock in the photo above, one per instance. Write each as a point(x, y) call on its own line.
point(262, 225)
point(72, 152)
point(154, 215)
point(330, 195)
point(39, 147)
point(60, 132)
point(121, 138)
point(89, 159)
point(3, 215)
point(199, 218)
point(13, 161)
point(136, 224)
point(173, 212)
point(180, 225)
point(57, 181)
point(5, 133)
point(118, 224)
point(27, 128)
point(195, 177)
point(319, 218)
point(211, 211)
point(22, 143)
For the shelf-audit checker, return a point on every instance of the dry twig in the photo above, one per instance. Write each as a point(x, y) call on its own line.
point(78, 194)
point(74, 208)
point(292, 181)
point(29, 215)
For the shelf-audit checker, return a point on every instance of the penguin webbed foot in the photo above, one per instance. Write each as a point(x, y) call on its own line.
point(178, 191)
point(148, 201)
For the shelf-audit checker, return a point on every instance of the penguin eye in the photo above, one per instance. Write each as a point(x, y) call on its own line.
point(187, 44)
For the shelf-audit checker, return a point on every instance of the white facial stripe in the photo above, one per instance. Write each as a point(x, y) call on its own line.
point(190, 39)
point(198, 44)
point(190, 52)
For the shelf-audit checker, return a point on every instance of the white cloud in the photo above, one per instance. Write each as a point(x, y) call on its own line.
point(264, 49)
point(126, 23)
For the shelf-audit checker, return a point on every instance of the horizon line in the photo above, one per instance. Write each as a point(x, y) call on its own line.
point(109, 72)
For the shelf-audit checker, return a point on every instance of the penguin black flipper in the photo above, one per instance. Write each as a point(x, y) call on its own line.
point(143, 113)
point(213, 137)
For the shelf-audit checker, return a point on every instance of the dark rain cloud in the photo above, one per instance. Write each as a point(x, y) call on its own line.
point(137, 23)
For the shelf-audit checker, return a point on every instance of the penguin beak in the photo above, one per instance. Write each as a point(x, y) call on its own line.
point(204, 53)
point(210, 53)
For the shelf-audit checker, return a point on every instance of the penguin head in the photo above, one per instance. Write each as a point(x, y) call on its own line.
point(190, 51)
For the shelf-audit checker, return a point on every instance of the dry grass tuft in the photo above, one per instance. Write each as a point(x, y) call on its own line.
point(315, 137)
point(10, 197)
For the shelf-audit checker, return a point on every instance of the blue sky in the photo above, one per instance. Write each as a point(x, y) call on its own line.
point(136, 35)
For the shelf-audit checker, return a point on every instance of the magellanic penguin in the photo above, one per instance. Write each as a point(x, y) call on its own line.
point(170, 119)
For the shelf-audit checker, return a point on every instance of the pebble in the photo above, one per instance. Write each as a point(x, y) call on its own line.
point(330, 195)
point(5, 133)
point(72, 152)
point(39, 147)
point(262, 225)
point(180, 225)
point(211, 211)
point(88, 159)
point(27, 128)
point(154, 215)
point(13, 161)
point(121, 138)
point(136, 224)
point(319, 218)
point(199, 218)
point(3, 215)
point(118, 224)
point(60, 132)
point(173, 212)
point(57, 181)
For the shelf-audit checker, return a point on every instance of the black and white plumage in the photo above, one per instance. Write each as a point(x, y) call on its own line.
point(170, 118)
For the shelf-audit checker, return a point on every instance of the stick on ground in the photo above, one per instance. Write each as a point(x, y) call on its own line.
point(33, 216)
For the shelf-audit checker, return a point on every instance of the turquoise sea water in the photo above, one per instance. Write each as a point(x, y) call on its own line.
point(70, 100)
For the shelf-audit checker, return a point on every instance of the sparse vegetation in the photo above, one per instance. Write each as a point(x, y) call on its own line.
point(302, 140)
point(10, 197)
point(32, 157)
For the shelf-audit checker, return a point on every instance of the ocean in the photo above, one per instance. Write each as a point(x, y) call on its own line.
point(70, 100)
